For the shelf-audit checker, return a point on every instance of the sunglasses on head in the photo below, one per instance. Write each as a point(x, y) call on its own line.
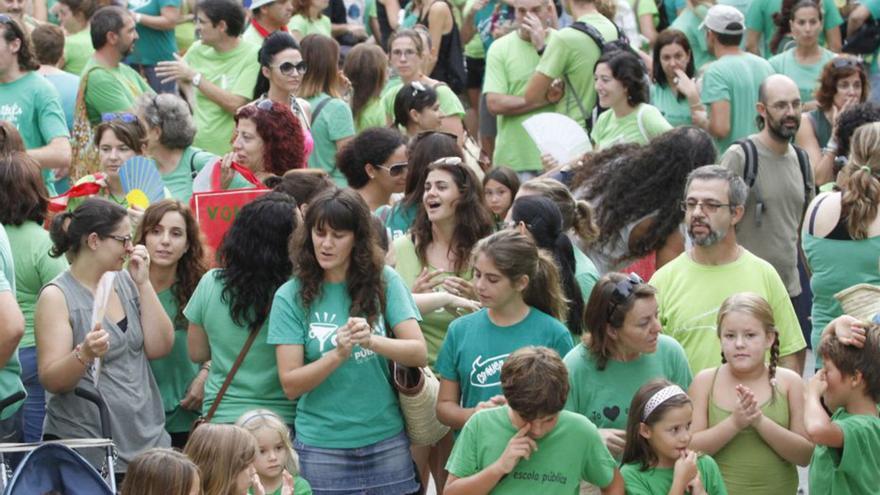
point(846, 63)
point(623, 290)
point(126, 117)
point(290, 68)
point(265, 105)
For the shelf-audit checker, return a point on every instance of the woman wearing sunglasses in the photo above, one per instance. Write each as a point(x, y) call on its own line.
point(622, 349)
point(374, 163)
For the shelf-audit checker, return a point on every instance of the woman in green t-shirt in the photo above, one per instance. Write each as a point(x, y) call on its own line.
point(308, 18)
point(374, 163)
point(672, 59)
point(172, 238)
point(366, 66)
point(416, 109)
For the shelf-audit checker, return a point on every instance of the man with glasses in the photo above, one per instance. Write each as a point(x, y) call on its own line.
point(691, 288)
point(780, 182)
point(219, 71)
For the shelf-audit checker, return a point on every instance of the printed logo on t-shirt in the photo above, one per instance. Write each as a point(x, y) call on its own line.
point(551, 477)
point(487, 373)
point(324, 327)
point(10, 112)
point(699, 323)
point(607, 415)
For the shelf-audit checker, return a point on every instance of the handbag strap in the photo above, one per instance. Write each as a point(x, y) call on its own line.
point(254, 330)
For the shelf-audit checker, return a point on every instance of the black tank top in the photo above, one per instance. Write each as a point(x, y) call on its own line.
point(450, 59)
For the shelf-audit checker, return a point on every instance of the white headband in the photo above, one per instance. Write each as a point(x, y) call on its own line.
point(660, 397)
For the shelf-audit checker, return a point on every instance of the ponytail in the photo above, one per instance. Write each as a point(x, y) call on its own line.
point(862, 189)
point(583, 223)
point(544, 291)
point(94, 215)
point(58, 234)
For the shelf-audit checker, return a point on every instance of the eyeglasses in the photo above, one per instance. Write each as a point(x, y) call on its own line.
point(124, 239)
point(126, 117)
point(623, 290)
point(395, 169)
point(710, 207)
point(407, 53)
point(289, 68)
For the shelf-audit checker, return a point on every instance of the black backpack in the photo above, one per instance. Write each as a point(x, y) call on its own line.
point(750, 174)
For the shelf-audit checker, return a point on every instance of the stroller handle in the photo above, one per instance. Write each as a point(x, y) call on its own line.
point(12, 399)
point(95, 398)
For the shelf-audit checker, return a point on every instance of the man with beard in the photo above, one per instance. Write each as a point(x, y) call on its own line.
point(16, 10)
point(110, 85)
point(691, 288)
point(783, 185)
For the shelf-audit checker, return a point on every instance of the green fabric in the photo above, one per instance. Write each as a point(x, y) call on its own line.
point(78, 50)
point(185, 32)
point(572, 451)
point(474, 48)
point(369, 14)
point(676, 111)
point(152, 45)
point(641, 125)
point(689, 24)
point(690, 294)
point(873, 7)
point(252, 36)
point(760, 18)
point(180, 180)
point(355, 405)
point(853, 468)
point(234, 71)
point(111, 89)
point(175, 372)
point(657, 481)
point(305, 26)
point(510, 65)
point(397, 218)
point(747, 463)
point(256, 384)
point(450, 105)
point(34, 269)
point(372, 115)
point(735, 79)
point(604, 396)
point(805, 76)
point(10, 375)
point(475, 348)
point(571, 53)
point(585, 273)
point(335, 122)
point(300, 487)
point(32, 105)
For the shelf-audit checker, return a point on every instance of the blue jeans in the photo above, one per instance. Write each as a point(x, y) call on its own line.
point(34, 408)
point(149, 73)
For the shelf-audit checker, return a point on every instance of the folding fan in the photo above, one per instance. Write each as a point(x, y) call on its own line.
point(141, 182)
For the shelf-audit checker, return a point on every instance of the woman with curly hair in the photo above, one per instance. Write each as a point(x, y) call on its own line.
point(374, 163)
point(635, 194)
point(336, 325)
point(234, 300)
point(366, 66)
point(623, 89)
point(171, 235)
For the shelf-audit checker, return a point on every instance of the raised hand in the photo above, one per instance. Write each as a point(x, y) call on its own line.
point(519, 447)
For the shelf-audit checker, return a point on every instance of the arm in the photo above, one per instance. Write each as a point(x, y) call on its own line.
point(167, 19)
point(407, 347)
point(822, 163)
point(229, 102)
point(453, 125)
point(197, 344)
point(794, 362)
point(469, 23)
point(753, 41)
point(56, 154)
point(832, 39)
point(705, 439)
point(449, 410)
point(157, 327)
point(501, 104)
point(820, 428)
point(11, 326)
point(429, 302)
point(58, 368)
point(646, 27)
point(856, 19)
point(616, 487)
point(790, 443)
point(180, 71)
point(296, 377)
point(392, 12)
point(719, 119)
point(439, 17)
point(536, 91)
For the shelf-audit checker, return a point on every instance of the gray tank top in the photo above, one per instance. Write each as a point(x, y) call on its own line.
point(137, 418)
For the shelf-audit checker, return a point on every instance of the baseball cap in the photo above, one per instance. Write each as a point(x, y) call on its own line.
point(722, 19)
point(255, 4)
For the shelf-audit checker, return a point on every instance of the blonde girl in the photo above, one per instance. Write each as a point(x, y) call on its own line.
point(162, 471)
point(748, 413)
point(225, 457)
point(277, 464)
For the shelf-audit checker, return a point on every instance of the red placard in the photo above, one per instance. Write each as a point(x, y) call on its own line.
point(215, 211)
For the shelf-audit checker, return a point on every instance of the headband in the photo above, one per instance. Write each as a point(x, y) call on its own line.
point(660, 397)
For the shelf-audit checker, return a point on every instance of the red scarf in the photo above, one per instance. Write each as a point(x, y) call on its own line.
point(263, 31)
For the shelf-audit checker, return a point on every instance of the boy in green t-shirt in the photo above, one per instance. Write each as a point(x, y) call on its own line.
point(531, 445)
point(847, 455)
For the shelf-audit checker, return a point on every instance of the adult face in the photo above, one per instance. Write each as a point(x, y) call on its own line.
point(640, 331)
point(210, 34)
point(610, 91)
point(112, 251)
point(248, 145)
point(66, 18)
point(806, 26)
point(166, 241)
point(707, 216)
point(8, 52)
point(782, 109)
point(286, 71)
point(126, 37)
point(112, 153)
point(673, 57)
point(405, 58)
point(391, 174)
point(333, 248)
point(14, 8)
point(849, 90)
point(441, 196)
point(524, 8)
point(278, 12)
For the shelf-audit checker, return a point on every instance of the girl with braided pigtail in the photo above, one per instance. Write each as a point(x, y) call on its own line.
point(748, 414)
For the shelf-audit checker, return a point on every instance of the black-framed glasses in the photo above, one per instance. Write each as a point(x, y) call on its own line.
point(124, 239)
point(395, 169)
point(126, 117)
point(710, 207)
point(623, 290)
point(289, 68)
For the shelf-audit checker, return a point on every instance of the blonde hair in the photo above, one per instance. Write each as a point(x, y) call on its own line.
point(861, 192)
point(576, 214)
point(757, 307)
point(253, 421)
point(164, 471)
point(221, 452)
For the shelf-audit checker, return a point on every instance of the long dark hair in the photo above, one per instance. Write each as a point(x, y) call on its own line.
point(670, 37)
point(783, 18)
point(544, 221)
point(70, 228)
point(366, 66)
point(637, 448)
point(342, 209)
point(274, 44)
point(254, 258)
point(413, 96)
point(423, 150)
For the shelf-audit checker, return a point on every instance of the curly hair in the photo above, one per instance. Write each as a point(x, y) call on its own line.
point(785, 16)
point(625, 183)
point(373, 147)
point(282, 135)
point(171, 115)
point(321, 53)
point(473, 221)
point(366, 66)
point(253, 257)
point(24, 195)
point(342, 210)
point(670, 37)
point(629, 71)
point(851, 119)
point(192, 265)
point(11, 31)
point(840, 67)
point(861, 192)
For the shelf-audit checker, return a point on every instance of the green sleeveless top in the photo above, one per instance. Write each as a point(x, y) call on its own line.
point(748, 464)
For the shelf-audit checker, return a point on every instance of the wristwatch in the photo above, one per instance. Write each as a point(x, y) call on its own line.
point(197, 79)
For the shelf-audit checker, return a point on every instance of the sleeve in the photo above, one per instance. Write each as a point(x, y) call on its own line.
point(202, 158)
point(586, 281)
point(399, 303)
point(195, 308)
point(555, 58)
point(710, 475)
point(573, 364)
point(647, 7)
point(563, 343)
point(463, 460)
point(755, 16)
point(832, 15)
point(861, 437)
point(370, 11)
point(791, 339)
point(777, 63)
point(679, 370)
point(714, 88)
point(298, 23)
point(450, 105)
point(734, 159)
point(286, 322)
point(495, 80)
point(104, 94)
point(655, 122)
point(168, 3)
point(247, 78)
point(339, 121)
point(599, 466)
point(447, 357)
point(635, 481)
point(52, 122)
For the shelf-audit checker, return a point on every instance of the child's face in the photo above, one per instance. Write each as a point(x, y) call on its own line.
point(538, 427)
point(271, 453)
point(669, 438)
point(838, 387)
point(744, 342)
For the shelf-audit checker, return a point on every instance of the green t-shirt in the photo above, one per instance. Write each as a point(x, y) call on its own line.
point(35, 268)
point(180, 180)
point(676, 111)
point(256, 384)
point(234, 71)
point(252, 36)
point(300, 487)
point(603, 396)
point(78, 50)
point(355, 405)
point(335, 122)
point(372, 115)
point(175, 372)
point(397, 218)
point(573, 54)
point(572, 451)
point(658, 481)
point(32, 105)
point(111, 89)
point(760, 18)
point(736, 79)
point(805, 76)
point(689, 295)
point(689, 24)
point(450, 105)
point(853, 468)
point(306, 26)
point(10, 375)
point(510, 64)
point(585, 273)
point(475, 348)
point(152, 45)
point(639, 126)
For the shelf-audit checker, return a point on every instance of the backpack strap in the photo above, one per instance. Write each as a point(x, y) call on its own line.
point(750, 174)
point(806, 172)
point(592, 32)
point(320, 106)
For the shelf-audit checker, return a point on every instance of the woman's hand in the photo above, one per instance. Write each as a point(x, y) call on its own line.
point(614, 439)
point(195, 393)
point(458, 286)
point(685, 85)
point(135, 214)
point(361, 333)
point(95, 344)
point(460, 306)
point(226, 172)
point(426, 281)
point(139, 265)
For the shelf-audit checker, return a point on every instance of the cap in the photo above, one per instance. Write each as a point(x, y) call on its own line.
point(255, 4)
point(722, 19)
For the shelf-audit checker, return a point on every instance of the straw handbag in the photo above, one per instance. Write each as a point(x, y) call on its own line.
point(861, 301)
point(418, 389)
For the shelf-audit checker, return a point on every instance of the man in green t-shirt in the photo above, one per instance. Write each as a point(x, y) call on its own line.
point(30, 103)
point(155, 21)
point(267, 16)
point(11, 330)
point(219, 72)
point(531, 445)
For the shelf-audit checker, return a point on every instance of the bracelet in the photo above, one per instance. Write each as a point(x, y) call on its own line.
point(77, 353)
point(206, 366)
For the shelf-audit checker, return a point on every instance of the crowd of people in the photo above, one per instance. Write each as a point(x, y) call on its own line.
point(637, 320)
